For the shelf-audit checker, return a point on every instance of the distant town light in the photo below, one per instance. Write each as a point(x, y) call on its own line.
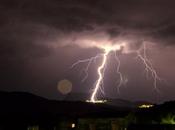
point(97, 101)
point(146, 106)
point(73, 125)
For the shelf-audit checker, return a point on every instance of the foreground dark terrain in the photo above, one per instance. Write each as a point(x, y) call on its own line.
point(25, 111)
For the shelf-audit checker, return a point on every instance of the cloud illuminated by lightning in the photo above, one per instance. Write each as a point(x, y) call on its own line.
point(107, 49)
point(108, 45)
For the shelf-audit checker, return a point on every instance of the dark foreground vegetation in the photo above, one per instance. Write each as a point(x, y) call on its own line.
point(24, 111)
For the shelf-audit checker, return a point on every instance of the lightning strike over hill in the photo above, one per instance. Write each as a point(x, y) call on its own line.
point(100, 74)
point(141, 55)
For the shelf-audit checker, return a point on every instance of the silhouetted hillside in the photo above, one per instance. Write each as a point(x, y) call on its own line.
point(23, 109)
point(121, 103)
point(77, 97)
point(25, 104)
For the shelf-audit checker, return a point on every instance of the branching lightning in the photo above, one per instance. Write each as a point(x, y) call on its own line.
point(121, 79)
point(141, 54)
point(89, 61)
point(148, 65)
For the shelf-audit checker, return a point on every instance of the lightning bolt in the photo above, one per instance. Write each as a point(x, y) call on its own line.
point(141, 54)
point(121, 79)
point(148, 65)
point(100, 71)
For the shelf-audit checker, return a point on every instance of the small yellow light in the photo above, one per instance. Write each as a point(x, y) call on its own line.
point(146, 106)
point(73, 125)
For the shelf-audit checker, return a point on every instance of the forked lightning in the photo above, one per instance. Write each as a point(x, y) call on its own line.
point(141, 54)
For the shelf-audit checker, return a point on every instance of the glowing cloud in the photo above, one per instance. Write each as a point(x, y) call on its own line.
point(107, 44)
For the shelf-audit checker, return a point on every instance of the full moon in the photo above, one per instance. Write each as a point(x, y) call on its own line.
point(64, 86)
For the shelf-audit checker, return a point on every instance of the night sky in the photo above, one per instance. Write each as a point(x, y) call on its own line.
point(41, 39)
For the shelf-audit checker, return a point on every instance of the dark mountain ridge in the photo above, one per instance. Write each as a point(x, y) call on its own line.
point(26, 104)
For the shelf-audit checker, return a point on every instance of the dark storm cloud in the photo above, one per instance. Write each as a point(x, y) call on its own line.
point(76, 15)
point(19, 40)
point(30, 29)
